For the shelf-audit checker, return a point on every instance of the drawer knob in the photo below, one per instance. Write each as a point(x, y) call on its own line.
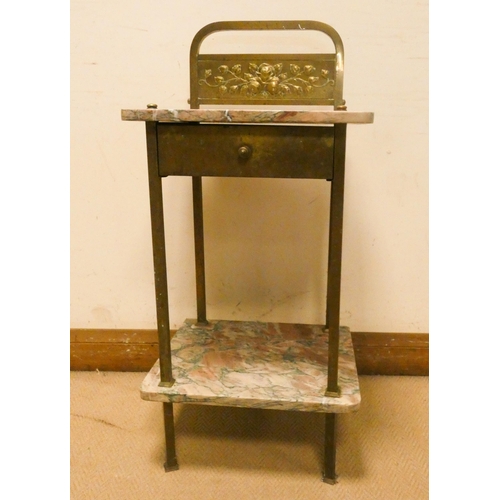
point(245, 152)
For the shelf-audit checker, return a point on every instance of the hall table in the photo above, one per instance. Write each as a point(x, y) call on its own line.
point(246, 363)
point(253, 364)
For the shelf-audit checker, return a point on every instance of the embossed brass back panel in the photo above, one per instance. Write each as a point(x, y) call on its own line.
point(267, 79)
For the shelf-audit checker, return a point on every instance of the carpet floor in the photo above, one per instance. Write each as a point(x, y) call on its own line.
point(117, 446)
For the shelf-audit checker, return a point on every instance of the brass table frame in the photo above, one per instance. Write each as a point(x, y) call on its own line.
point(265, 79)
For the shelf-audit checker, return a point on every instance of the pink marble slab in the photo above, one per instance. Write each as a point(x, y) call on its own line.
point(258, 365)
point(245, 116)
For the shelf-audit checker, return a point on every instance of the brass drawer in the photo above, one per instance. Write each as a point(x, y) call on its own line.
point(245, 150)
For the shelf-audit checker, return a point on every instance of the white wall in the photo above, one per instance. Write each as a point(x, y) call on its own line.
point(265, 238)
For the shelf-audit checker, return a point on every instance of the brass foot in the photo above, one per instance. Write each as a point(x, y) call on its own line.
point(171, 467)
point(329, 480)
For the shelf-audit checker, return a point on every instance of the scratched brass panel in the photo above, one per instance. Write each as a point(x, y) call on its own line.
point(267, 79)
point(245, 151)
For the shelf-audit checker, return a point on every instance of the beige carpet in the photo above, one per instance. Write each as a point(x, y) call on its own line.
point(229, 453)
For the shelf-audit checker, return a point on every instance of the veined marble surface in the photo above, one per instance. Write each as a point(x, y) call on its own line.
point(245, 116)
point(259, 365)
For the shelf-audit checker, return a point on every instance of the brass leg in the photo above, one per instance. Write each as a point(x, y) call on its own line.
point(201, 301)
point(159, 257)
point(329, 475)
point(335, 259)
point(168, 416)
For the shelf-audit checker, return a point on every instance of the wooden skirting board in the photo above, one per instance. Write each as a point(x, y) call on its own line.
point(137, 350)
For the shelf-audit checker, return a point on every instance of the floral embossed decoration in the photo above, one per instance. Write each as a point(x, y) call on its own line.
point(267, 80)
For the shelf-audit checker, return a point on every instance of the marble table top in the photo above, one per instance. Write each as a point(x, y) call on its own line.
point(246, 116)
point(257, 365)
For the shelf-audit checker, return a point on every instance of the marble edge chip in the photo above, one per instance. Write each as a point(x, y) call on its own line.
point(246, 116)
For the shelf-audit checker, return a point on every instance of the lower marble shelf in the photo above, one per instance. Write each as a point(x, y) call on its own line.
point(256, 365)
